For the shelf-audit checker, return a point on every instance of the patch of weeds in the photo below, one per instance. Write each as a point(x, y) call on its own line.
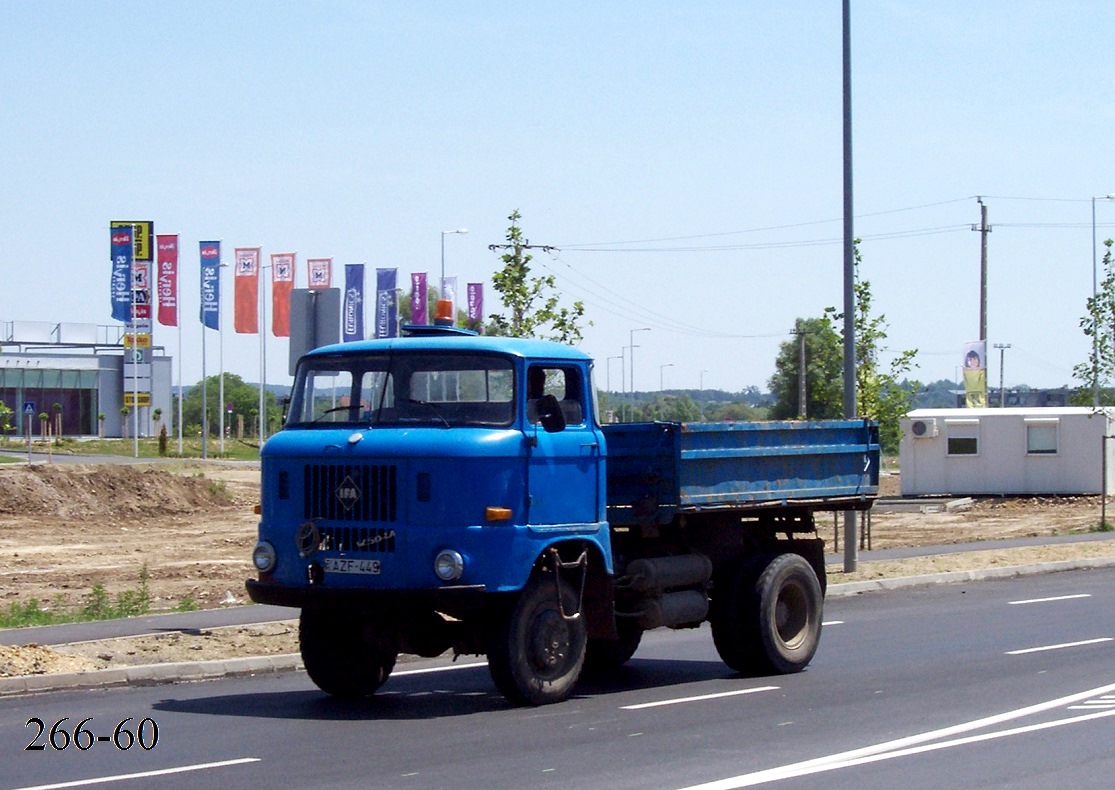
point(187, 604)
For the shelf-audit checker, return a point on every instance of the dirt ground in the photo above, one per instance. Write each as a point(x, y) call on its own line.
point(191, 528)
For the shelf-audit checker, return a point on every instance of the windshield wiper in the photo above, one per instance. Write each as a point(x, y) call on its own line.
point(330, 411)
point(432, 407)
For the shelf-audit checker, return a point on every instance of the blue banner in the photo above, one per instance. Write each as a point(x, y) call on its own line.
point(211, 284)
point(121, 287)
point(352, 315)
point(387, 303)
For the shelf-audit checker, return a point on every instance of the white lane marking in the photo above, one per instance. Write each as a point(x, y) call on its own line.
point(790, 772)
point(1043, 648)
point(1048, 600)
point(901, 744)
point(428, 670)
point(832, 622)
point(680, 700)
point(145, 774)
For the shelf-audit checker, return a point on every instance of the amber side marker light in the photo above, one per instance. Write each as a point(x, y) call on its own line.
point(257, 509)
point(497, 513)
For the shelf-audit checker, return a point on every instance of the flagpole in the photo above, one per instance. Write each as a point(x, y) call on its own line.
point(221, 356)
point(262, 353)
point(135, 358)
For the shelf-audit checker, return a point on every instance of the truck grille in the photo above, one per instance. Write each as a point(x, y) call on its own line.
point(352, 493)
point(369, 540)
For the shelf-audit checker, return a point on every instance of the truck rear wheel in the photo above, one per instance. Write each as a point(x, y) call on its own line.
point(537, 650)
point(768, 620)
point(344, 654)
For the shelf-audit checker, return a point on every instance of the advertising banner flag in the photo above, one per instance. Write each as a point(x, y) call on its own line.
point(141, 290)
point(387, 305)
point(975, 374)
point(282, 283)
point(475, 302)
point(449, 291)
point(321, 272)
point(166, 253)
point(418, 314)
point(352, 312)
point(211, 284)
point(245, 298)
point(121, 285)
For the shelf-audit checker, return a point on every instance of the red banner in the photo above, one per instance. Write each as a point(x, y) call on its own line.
point(246, 291)
point(166, 257)
point(282, 281)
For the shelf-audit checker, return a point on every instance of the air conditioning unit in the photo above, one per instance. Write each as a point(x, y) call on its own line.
point(923, 429)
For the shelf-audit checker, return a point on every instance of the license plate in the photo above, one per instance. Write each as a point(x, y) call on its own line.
point(339, 565)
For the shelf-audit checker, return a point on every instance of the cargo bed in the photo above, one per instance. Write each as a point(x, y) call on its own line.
point(658, 470)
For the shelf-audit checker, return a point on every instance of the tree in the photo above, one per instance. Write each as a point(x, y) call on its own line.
point(823, 364)
point(880, 395)
point(1098, 372)
point(124, 412)
point(670, 408)
point(243, 397)
point(531, 302)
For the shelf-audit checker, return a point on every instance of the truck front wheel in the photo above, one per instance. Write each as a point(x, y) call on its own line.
point(537, 649)
point(768, 620)
point(344, 653)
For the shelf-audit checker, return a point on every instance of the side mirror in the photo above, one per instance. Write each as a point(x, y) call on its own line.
point(550, 414)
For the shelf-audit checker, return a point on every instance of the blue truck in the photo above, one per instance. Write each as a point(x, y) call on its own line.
point(449, 491)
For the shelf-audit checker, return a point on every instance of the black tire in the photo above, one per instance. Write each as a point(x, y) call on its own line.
point(768, 619)
point(535, 655)
point(607, 655)
point(344, 654)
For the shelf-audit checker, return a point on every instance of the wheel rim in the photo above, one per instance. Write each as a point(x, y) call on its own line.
point(549, 643)
point(792, 615)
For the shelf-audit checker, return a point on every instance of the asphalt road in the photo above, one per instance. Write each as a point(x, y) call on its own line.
point(1005, 683)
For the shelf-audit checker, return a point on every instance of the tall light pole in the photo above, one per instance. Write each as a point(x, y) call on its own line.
point(632, 347)
point(445, 233)
point(662, 375)
point(703, 372)
point(1002, 353)
point(1095, 334)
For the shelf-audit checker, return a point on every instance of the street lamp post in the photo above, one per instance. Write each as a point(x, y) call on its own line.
point(1002, 354)
point(632, 347)
point(662, 375)
point(703, 372)
point(1095, 333)
point(445, 233)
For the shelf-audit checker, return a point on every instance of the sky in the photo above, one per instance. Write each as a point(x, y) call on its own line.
point(683, 159)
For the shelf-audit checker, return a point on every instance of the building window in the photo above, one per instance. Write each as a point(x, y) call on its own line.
point(963, 445)
point(1041, 438)
point(963, 436)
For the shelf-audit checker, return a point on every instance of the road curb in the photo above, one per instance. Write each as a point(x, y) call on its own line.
point(150, 674)
point(981, 574)
point(158, 674)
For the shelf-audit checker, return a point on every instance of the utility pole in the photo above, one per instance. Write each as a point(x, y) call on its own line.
point(801, 373)
point(983, 229)
point(851, 530)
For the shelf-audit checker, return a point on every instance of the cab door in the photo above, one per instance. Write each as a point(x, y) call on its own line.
point(563, 467)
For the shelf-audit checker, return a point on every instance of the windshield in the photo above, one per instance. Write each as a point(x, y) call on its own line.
point(441, 389)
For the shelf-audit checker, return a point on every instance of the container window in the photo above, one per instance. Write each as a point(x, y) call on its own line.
point(963, 445)
point(1041, 439)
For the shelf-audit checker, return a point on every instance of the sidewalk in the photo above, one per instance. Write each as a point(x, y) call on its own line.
point(153, 674)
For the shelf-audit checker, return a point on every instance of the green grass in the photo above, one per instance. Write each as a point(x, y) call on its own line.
point(148, 448)
point(97, 604)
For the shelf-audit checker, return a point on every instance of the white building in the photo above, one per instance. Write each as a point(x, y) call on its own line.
point(1026, 451)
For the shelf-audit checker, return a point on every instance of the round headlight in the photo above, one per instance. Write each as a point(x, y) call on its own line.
point(264, 557)
point(449, 565)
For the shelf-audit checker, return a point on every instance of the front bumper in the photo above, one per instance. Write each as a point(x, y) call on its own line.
point(460, 598)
